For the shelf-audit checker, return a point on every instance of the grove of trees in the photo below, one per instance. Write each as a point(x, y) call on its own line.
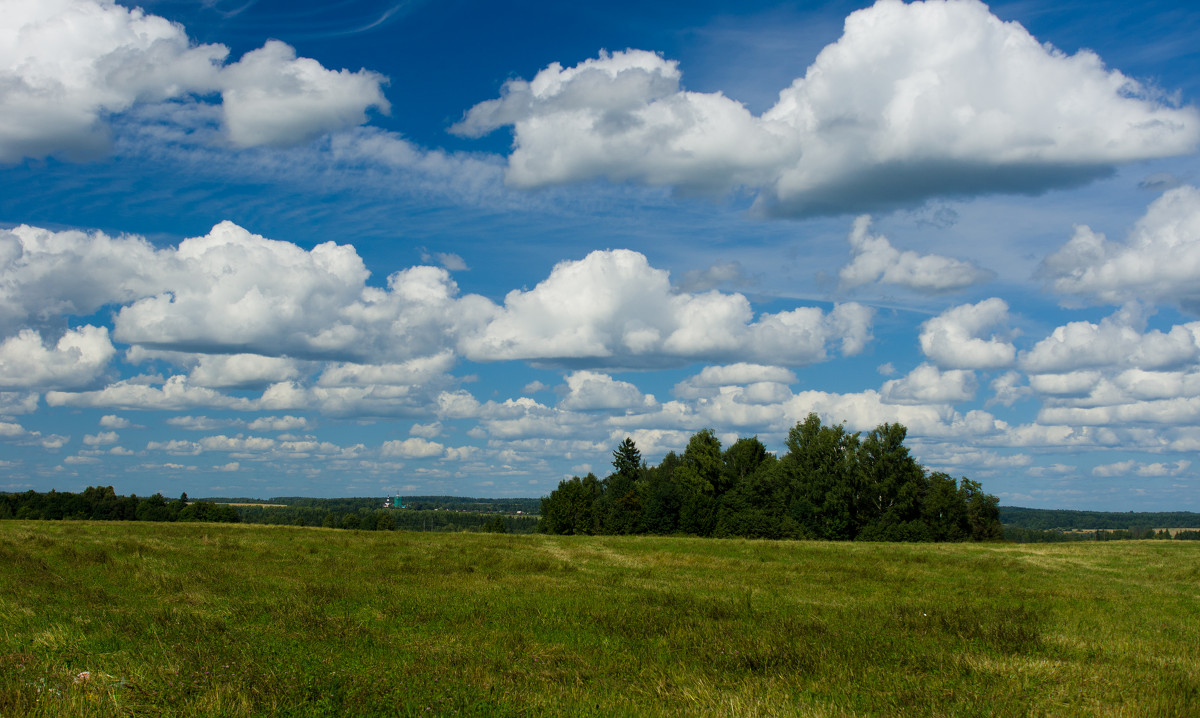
point(831, 484)
point(101, 503)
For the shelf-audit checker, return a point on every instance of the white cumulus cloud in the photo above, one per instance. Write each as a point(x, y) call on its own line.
point(928, 385)
point(592, 390)
point(413, 448)
point(613, 308)
point(913, 101)
point(1119, 340)
point(953, 338)
point(874, 259)
point(1158, 262)
point(76, 359)
point(68, 66)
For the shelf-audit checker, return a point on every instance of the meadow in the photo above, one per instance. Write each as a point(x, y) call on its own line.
point(114, 618)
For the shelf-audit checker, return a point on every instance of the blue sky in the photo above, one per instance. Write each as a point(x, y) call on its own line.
point(354, 248)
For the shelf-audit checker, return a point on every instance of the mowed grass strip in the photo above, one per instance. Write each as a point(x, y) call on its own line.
point(191, 619)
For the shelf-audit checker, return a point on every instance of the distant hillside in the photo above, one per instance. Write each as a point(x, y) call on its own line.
point(1045, 519)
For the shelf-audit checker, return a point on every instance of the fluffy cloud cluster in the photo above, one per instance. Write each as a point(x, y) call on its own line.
point(66, 66)
point(77, 358)
point(927, 385)
point(1116, 341)
point(613, 308)
point(874, 259)
point(914, 100)
point(593, 390)
point(952, 339)
point(239, 311)
point(1158, 262)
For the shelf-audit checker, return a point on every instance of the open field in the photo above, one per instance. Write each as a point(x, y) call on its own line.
point(202, 619)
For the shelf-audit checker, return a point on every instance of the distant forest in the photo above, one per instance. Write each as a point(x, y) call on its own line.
point(831, 484)
point(1053, 525)
point(101, 503)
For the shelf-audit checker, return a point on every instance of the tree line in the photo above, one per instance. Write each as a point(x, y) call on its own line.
point(1019, 534)
point(101, 503)
point(1061, 519)
point(831, 484)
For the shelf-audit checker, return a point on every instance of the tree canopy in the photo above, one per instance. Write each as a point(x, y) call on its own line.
point(831, 484)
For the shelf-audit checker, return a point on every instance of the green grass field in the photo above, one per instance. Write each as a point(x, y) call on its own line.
point(194, 619)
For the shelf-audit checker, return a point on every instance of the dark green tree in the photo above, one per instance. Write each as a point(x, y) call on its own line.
point(740, 460)
point(893, 487)
point(983, 512)
point(822, 476)
point(619, 508)
point(698, 477)
point(757, 506)
point(660, 509)
point(945, 509)
point(569, 509)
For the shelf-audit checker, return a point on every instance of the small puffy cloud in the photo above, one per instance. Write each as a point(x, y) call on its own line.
point(412, 448)
point(198, 423)
point(271, 97)
point(1158, 262)
point(177, 447)
point(927, 385)
point(449, 260)
point(67, 66)
point(742, 373)
point(874, 259)
point(279, 423)
point(104, 437)
point(702, 280)
point(112, 421)
point(863, 411)
point(10, 430)
point(1166, 412)
point(174, 394)
point(613, 308)
point(1073, 383)
point(16, 402)
point(46, 274)
point(534, 387)
point(77, 460)
point(241, 370)
point(1124, 469)
point(76, 359)
point(915, 100)
point(242, 290)
point(421, 370)
point(461, 453)
point(588, 390)
point(426, 431)
point(239, 443)
point(956, 459)
point(953, 338)
point(1148, 385)
point(1117, 341)
point(711, 379)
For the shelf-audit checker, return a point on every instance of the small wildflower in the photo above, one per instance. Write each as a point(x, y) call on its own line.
point(82, 677)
